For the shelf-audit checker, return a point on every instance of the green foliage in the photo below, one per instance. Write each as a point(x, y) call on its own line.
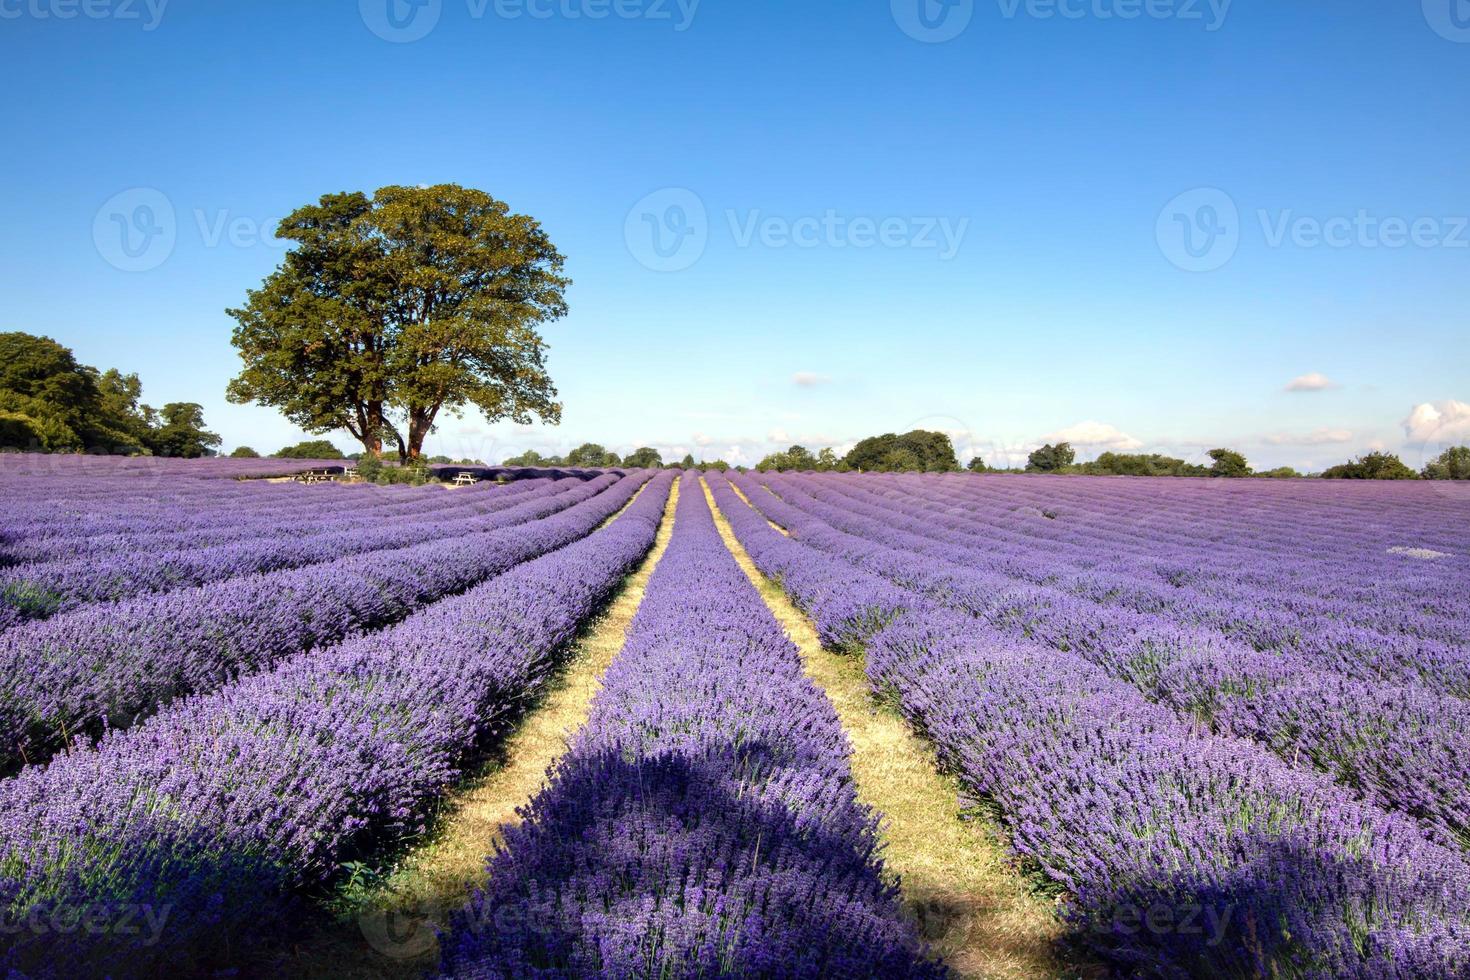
point(828, 462)
point(1373, 466)
point(1229, 463)
point(1051, 459)
point(49, 402)
point(592, 455)
point(182, 433)
point(1138, 464)
point(715, 464)
point(374, 470)
point(797, 459)
point(1452, 464)
point(244, 452)
point(311, 449)
point(392, 308)
point(976, 465)
point(532, 458)
point(919, 450)
point(1280, 473)
point(687, 463)
point(644, 458)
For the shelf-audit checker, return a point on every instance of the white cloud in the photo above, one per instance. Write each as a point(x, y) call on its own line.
point(1441, 422)
point(1317, 437)
point(777, 435)
point(1093, 435)
point(700, 439)
point(1311, 382)
point(806, 379)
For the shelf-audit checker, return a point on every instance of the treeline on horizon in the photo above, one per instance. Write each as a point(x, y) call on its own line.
point(52, 403)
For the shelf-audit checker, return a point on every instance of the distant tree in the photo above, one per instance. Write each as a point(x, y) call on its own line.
point(181, 432)
point(1139, 464)
point(687, 463)
point(1051, 459)
point(1280, 473)
point(900, 459)
point(933, 452)
point(976, 465)
point(311, 449)
point(797, 458)
point(1452, 464)
point(244, 452)
point(532, 458)
point(715, 464)
point(827, 461)
point(593, 455)
point(644, 458)
point(1229, 463)
point(1373, 466)
point(392, 308)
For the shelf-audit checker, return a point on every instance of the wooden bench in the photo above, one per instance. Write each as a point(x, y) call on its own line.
point(315, 476)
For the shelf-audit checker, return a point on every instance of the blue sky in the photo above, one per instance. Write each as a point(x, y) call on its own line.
point(1133, 223)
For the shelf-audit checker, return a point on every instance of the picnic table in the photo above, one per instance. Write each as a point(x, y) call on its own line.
point(465, 480)
point(315, 476)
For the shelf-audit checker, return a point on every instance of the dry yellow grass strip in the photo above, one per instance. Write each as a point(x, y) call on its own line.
point(957, 878)
point(741, 494)
point(388, 929)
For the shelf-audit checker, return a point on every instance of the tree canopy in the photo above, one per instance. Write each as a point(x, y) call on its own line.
point(916, 451)
point(1452, 464)
point(392, 308)
point(592, 455)
point(1373, 466)
point(50, 402)
point(643, 458)
point(1229, 463)
point(311, 449)
point(1051, 459)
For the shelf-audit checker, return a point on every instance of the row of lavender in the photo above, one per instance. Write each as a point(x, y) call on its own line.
point(207, 819)
point(1403, 746)
point(1411, 630)
point(1180, 852)
point(1220, 543)
point(39, 589)
point(115, 663)
point(1406, 748)
point(704, 822)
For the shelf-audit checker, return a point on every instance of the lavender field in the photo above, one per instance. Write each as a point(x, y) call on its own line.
point(1219, 728)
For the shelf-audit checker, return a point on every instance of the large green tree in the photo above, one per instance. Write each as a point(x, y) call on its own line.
point(919, 450)
point(592, 455)
point(645, 457)
point(51, 402)
point(1051, 459)
point(1229, 463)
point(1452, 464)
point(1372, 466)
point(181, 432)
point(392, 308)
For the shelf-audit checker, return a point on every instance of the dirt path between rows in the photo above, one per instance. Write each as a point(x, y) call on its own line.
point(386, 928)
point(957, 877)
